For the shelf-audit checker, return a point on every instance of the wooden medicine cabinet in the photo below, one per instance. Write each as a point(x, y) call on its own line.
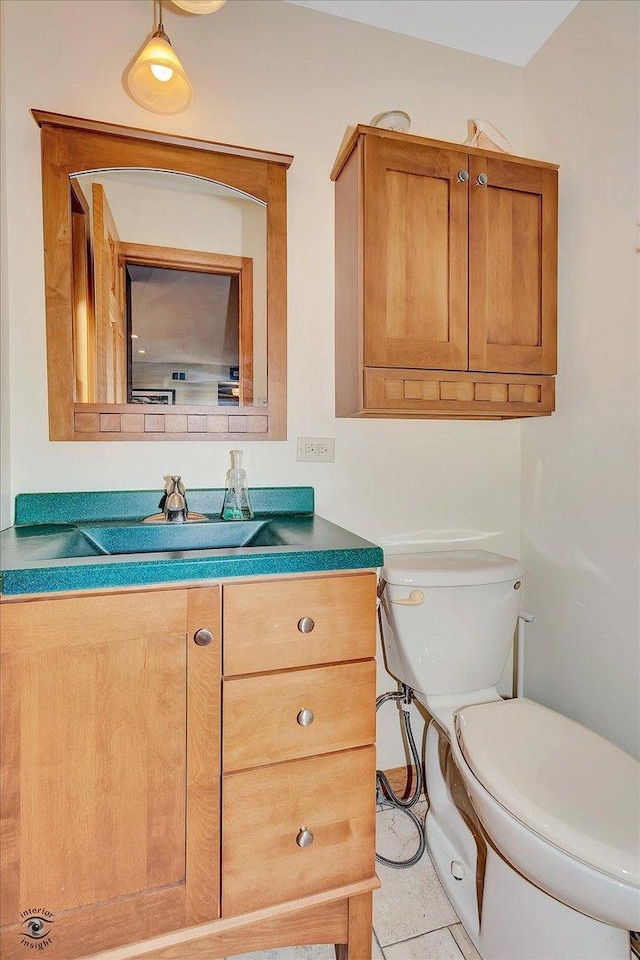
point(166, 277)
point(445, 280)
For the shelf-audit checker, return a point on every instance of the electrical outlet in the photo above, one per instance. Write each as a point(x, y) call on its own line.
point(317, 449)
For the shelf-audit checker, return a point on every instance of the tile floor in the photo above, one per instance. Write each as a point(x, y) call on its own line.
point(412, 917)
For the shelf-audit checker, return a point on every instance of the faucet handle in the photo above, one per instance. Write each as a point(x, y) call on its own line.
point(174, 501)
point(173, 484)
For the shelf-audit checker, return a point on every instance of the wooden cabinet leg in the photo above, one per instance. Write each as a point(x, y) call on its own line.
point(358, 946)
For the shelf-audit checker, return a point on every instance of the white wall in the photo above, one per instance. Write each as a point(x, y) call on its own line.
point(5, 377)
point(280, 77)
point(580, 468)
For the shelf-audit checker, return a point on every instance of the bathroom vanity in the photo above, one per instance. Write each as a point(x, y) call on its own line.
point(188, 764)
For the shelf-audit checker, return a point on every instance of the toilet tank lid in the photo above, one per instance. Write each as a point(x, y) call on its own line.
point(450, 568)
point(564, 782)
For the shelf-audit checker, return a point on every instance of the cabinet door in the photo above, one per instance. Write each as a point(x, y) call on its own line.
point(512, 267)
point(110, 767)
point(415, 256)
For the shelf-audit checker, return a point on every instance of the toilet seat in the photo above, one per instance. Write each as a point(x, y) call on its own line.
point(539, 766)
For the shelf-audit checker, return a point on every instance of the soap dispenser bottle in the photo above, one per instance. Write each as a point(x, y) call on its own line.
point(236, 505)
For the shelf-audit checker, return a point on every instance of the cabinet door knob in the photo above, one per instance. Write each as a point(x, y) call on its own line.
point(203, 637)
point(482, 180)
point(306, 625)
point(463, 176)
point(305, 718)
point(304, 838)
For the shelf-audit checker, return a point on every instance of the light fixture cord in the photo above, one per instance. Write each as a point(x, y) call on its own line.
point(159, 30)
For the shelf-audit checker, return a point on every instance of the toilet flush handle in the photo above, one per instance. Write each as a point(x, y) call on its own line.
point(415, 598)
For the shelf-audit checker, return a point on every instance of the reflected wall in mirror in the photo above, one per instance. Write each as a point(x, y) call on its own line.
point(165, 269)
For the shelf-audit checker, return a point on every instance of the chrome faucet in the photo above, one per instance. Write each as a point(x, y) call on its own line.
point(173, 505)
point(174, 502)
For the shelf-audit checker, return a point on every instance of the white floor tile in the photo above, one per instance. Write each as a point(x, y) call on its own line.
point(438, 945)
point(463, 940)
point(376, 952)
point(411, 902)
point(309, 952)
point(396, 834)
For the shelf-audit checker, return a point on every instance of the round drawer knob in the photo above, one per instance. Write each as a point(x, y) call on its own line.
point(463, 176)
point(305, 718)
point(304, 838)
point(306, 625)
point(482, 180)
point(203, 637)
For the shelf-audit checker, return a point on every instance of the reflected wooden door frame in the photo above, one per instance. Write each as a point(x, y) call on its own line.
point(223, 264)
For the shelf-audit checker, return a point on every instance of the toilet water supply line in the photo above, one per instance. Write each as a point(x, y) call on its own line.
point(386, 796)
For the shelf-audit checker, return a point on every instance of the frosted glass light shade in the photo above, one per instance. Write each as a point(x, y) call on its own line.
point(200, 6)
point(157, 80)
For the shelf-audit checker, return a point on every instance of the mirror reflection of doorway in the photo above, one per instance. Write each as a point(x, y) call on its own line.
point(183, 335)
point(200, 304)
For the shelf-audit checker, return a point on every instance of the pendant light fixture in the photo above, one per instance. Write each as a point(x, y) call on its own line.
point(157, 80)
point(200, 6)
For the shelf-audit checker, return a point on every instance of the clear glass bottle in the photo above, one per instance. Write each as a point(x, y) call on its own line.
point(236, 505)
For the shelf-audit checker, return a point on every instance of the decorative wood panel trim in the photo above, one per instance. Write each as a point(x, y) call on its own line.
point(204, 667)
point(90, 424)
point(349, 303)
point(118, 130)
point(313, 919)
point(356, 132)
point(389, 392)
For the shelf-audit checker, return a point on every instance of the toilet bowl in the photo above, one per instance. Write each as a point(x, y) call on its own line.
point(533, 819)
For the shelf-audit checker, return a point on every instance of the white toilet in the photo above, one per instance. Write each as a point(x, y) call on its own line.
point(534, 820)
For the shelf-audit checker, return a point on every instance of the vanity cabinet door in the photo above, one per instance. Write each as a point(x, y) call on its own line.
point(110, 719)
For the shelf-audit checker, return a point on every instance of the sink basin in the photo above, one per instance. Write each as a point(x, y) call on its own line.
point(119, 539)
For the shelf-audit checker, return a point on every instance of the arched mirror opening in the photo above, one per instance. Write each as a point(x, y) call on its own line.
point(156, 321)
point(165, 270)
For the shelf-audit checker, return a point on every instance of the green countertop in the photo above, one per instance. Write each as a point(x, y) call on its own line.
point(47, 552)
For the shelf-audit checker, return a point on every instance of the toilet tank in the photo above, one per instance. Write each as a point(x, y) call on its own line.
point(449, 618)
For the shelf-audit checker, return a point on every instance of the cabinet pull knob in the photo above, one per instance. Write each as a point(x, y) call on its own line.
point(305, 718)
point(304, 838)
point(203, 637)
point(463, 176)
point(306, 625)
point(482, 180)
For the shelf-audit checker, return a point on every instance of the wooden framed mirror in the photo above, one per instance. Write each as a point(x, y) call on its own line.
point(166, 277)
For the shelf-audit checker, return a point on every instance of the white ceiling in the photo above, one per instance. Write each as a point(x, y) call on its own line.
point(508, 30)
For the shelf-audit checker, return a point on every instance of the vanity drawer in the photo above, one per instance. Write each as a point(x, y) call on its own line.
point(275, 625)
point(264, 813)
point(298, 714)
